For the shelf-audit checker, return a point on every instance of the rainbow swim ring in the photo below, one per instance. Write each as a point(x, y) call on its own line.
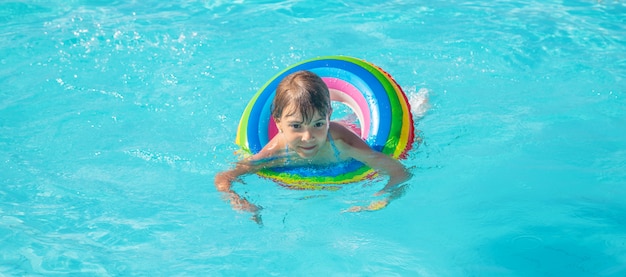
point(382, 108)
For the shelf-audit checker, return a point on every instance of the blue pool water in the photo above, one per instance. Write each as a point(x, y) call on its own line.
point(116, 115)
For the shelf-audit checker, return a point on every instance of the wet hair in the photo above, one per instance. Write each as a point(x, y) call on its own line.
point(304, 90)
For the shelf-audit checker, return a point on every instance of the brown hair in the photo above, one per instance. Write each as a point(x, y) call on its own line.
point(306, 91)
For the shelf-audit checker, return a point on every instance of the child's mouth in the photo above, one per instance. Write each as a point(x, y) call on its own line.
point(309, 148)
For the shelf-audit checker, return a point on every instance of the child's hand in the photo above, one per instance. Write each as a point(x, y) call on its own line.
point(244, 205)
point(374, 206)
point(393, 192)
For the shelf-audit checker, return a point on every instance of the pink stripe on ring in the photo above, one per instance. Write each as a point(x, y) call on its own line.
point(346, 93)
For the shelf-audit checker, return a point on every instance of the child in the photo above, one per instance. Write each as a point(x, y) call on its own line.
point(301, 109)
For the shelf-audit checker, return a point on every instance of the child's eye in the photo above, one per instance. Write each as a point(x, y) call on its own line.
point(319, 124)
point(295, 126)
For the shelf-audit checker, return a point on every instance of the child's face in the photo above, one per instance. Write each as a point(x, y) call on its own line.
point(305, 138)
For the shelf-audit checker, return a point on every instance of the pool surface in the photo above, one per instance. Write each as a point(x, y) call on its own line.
point(115, 117)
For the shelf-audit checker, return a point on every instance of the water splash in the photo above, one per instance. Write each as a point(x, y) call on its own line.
point(419, 103)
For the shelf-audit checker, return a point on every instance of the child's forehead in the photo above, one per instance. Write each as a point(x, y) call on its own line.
point(294, 112)
point(297, 115)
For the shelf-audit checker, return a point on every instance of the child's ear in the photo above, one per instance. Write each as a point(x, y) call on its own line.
point(277, 121)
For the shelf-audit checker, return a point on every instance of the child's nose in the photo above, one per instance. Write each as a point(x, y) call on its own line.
point(307, 135)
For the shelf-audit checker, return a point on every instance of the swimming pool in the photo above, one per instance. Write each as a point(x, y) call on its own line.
point(114, 118)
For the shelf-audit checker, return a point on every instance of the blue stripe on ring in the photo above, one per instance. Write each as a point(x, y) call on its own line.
point(320, 171)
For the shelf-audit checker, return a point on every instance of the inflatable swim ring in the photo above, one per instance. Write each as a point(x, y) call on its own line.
point(382, 109)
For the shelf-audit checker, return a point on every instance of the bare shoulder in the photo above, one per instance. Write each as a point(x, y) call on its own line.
point(346, 138)
point(351, 145)
point(274, 147)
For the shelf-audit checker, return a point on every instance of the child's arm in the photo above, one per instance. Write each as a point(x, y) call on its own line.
point(352, 145)
point(389, 166)
point(386, 165)
point(223, 183)
point(223, 180)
